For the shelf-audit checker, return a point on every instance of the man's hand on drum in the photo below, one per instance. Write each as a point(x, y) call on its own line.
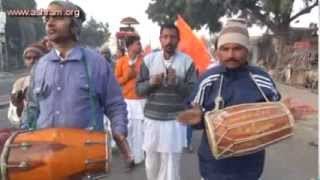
point(299, 110)
point(124, 148)
point(191, 116)
point(4, 135)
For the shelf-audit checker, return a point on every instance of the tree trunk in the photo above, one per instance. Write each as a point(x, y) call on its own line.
point(279, 45)
point(279, 42)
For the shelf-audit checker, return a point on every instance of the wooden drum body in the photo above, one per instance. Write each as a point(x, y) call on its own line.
point(54, 154)
point(247, 128)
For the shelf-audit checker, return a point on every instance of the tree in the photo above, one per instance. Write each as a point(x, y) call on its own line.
point(197, 13)
point(275, 14)
point(94, 34)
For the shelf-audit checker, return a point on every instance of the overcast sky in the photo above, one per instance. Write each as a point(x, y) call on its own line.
point(112, 11)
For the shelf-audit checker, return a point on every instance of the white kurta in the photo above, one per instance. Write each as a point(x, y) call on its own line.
point(107, 127)
point(20, 84)
point(135, 127)
point(163, 166)
point(12, 115)
point(163, 143)
point(164, 140)
point(164, 136)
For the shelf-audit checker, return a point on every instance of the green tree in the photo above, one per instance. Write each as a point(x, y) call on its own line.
point(94, 34)
point(197, 13)
point(275, 14)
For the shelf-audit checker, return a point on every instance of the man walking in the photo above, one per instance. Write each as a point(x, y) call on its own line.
point(127, 68)
point(232, 82)
point(72, 87)
point(166, 78)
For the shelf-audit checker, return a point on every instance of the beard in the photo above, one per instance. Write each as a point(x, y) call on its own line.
point(170, 49)
point(234, 63)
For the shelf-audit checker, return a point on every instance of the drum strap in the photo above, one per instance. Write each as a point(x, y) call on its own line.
point(92, 97)
point(219, 102)
point(259, 88)
point(32, 124)
point(31, 113)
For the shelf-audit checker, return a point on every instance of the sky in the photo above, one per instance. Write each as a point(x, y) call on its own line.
point(112, 11)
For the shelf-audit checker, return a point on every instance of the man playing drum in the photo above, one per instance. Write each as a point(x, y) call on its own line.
point(230, 83)
point(72, 86)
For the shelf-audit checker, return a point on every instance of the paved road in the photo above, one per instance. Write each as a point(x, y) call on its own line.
point(7, 79)
point(294, 159)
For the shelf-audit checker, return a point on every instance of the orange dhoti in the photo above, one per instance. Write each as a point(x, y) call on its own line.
point(247, 128)
point(54, 154)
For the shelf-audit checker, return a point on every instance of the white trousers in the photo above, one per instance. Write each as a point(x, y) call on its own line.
point(135, 128)
point(164, 136)
point(107, 127)
point(162, 166)
point(135, 139)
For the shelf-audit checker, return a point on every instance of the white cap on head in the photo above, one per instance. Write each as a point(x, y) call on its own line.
point(235, 31)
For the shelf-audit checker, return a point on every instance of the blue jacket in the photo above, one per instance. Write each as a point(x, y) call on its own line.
point(59, 93)
point(237, 88)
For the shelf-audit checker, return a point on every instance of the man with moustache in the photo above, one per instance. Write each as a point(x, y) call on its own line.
point(166, 78)
point(231, 82)
point(73, 86)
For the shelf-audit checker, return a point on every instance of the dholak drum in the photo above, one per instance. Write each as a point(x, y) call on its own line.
point(247, 128)
point(55, 154)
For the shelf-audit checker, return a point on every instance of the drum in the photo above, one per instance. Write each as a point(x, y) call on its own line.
point(55, 154)
point(247, 128)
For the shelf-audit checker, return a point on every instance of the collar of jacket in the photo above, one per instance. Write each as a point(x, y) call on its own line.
point(74, 54)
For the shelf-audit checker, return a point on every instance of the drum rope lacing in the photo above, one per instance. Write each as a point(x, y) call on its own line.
point(219, 101)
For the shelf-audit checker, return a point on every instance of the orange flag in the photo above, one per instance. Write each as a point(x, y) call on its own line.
point(193, 46)
point(147, 49)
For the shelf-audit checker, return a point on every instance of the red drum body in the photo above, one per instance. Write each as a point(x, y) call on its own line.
point(54, 154)
point(247, 128)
